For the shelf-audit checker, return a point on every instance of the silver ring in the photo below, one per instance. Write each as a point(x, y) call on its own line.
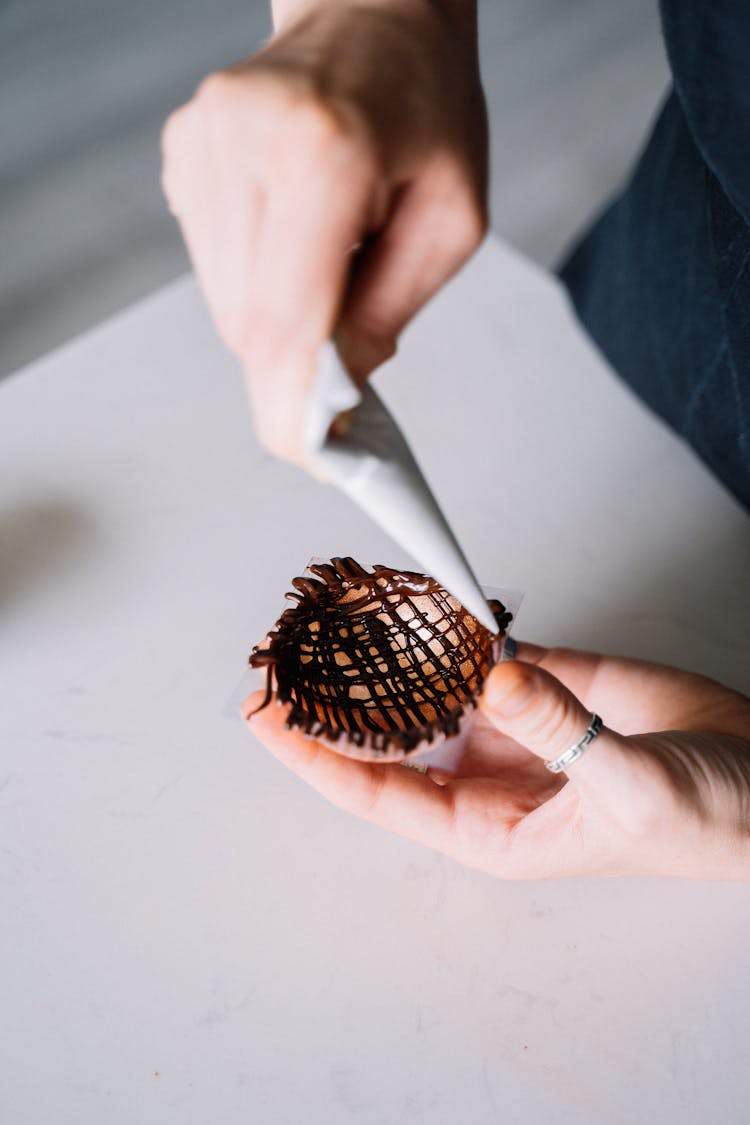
point(509, 649)
point(573, 753)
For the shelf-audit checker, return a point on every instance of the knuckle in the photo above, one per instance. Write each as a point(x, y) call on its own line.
point(372, 325)
point(173, 130)
point(220, 105)
point(170, 144)
point(215, 91)
point(464, 225)
point(462, 201)
point(169, 132)
point(553, 721)
point(550, 725)
point(314, 126)
point(473, 225)
point(366, 341)
point(468, 229)
point(295, 124)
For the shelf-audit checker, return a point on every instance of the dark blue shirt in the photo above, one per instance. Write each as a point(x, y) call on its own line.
point(662, 280)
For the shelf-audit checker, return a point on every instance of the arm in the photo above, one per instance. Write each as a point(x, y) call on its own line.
point(462, 13)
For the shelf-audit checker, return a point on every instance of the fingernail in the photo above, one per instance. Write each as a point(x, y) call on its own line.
point(509, 698)
point(342, 424)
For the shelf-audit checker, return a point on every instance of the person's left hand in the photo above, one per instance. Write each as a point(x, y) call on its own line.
point(663, 790)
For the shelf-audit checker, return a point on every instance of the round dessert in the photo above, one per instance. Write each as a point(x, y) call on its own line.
point(379, 663)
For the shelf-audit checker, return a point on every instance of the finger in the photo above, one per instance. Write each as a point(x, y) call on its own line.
point(402, 800)
point(577, 670)
point(529, 653)
point(469, 820)
point(629, 692)
point(491, 754)
point(272, 192)
point(297, 282)
point(531, 706)
point(434, 226)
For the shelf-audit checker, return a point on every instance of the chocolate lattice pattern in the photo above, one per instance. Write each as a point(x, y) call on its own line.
point(384, 659)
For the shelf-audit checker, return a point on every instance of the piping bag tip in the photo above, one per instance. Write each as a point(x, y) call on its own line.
point(353, 441)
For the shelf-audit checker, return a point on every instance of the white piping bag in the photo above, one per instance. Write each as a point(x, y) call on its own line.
point(372, 463)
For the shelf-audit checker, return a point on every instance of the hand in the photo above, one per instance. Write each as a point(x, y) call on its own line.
point(675, 802)
point(360, 127)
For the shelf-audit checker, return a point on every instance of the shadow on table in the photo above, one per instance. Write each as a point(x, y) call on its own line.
point(37, 540)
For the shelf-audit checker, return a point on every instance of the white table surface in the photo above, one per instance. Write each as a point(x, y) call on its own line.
point(190, 935)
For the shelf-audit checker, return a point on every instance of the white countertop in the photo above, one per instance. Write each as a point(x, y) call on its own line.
point(188, 934)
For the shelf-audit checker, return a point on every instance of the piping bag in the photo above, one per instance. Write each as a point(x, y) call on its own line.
point(372, 463)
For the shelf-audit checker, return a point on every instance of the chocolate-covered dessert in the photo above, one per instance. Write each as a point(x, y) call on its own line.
point(379, 662)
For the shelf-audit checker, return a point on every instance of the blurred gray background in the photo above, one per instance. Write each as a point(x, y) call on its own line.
point(84, 87)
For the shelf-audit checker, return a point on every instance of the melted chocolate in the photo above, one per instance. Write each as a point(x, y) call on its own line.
point(385, 659)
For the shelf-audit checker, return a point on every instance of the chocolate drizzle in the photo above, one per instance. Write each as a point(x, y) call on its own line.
point(386, 660)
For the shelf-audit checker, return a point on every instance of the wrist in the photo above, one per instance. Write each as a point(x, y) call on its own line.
point(461, 13)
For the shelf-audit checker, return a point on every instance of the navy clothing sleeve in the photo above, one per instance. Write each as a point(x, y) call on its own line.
point(662, 280)
point(708, 45)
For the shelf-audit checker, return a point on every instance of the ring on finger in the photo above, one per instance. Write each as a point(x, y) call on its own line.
point(573, 753)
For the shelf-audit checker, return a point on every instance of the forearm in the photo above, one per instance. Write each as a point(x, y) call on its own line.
point(462, 13)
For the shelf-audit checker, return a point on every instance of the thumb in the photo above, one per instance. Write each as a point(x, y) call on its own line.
point(404, 265)
point(533, 708)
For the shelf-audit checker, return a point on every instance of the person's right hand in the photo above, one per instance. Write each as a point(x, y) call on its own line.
point(357, 127)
